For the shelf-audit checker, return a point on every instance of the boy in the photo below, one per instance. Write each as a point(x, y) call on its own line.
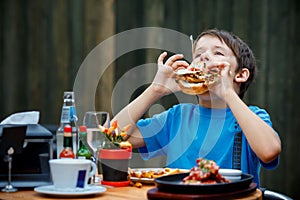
point(186, 132)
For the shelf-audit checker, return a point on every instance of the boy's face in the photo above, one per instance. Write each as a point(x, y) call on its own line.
point(213, 51)
point(210, 49)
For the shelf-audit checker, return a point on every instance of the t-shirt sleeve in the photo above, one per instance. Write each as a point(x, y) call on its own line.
point(154, 132)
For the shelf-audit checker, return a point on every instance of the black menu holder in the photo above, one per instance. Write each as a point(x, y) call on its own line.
point(11, 143)
point(30, 168)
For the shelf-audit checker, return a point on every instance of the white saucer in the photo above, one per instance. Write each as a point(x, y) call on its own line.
point(51, 190)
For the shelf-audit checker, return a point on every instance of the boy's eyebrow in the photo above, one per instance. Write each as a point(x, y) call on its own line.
point(200, 48)
point(215, 47)
point(219, 47)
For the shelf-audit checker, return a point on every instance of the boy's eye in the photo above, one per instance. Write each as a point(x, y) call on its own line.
point(197, 55)
point(219, 53)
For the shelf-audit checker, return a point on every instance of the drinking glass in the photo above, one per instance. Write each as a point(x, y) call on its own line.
point(95, 139)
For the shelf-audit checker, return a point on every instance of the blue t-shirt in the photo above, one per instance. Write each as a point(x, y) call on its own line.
point(186, 132)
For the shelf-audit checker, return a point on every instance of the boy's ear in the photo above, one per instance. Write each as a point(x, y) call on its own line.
point(242, 75)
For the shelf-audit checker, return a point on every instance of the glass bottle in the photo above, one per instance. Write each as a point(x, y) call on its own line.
point(83, 152)
point(68, 117)
point(67, 151)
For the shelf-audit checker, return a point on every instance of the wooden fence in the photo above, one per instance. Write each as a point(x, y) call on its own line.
point(43, 43)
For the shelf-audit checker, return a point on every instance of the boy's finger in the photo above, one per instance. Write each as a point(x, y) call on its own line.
point(173, 58)
point(161, 58)
point(180, 64)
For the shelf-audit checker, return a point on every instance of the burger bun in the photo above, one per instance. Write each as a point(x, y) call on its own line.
point(192, 88)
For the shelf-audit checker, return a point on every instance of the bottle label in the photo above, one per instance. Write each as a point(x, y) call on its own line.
point(68, 134)
point(72, 114)
point(65, 114)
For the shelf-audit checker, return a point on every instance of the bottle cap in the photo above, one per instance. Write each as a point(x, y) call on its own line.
point(67, 128)
point(68, 95)
point(82, 129)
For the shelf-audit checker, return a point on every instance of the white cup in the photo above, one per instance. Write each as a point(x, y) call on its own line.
point(71, 173)
point(231, 174)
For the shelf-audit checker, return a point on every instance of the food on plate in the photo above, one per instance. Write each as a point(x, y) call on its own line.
point(194, 80)
point(206, 172)
point(152, 173)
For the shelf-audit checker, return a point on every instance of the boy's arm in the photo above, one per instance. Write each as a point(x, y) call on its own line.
point(163, 84)
point(134, 111)
point(261, 137)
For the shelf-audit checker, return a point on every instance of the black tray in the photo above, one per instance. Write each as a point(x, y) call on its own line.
point(173, 184)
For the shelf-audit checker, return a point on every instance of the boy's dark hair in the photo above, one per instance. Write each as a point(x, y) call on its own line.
point(242, 52)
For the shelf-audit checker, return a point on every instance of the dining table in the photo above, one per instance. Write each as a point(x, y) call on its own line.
point(112, 193)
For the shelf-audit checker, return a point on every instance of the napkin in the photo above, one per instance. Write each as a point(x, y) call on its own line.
point(29, 117)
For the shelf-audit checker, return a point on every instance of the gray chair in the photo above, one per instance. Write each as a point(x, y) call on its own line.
point(272, 195)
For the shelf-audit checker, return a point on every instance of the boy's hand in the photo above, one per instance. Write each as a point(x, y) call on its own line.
point(226, 80)
point(164, 81)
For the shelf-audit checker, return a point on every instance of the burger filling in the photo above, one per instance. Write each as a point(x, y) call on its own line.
point(195, 77)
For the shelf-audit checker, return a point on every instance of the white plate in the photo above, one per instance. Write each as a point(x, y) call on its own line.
point(51, 190)
point(151, 180)
point(142, 180)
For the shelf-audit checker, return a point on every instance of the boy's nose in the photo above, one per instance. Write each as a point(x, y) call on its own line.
point(204, 57)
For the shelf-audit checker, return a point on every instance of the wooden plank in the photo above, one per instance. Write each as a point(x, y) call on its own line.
point(54, 63)
point(241, 20)
point(291, 97)
point(124, 63)
point(34, 53)
point(275, 84)
point(223, 14)
point(204, 15)
point(100, 23)
point(76, 42)
point(154, 15)
point(171, 14)
point(10, 55)
point(188, 16)
point(20, 58)
point(2, 38)
point(76, 26)
point(61, 44)
point(259, 37)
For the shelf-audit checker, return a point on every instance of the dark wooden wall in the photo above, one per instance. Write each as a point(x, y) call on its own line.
point(44, 42)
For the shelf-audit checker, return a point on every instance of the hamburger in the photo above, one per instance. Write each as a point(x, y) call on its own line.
point(194, 80)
